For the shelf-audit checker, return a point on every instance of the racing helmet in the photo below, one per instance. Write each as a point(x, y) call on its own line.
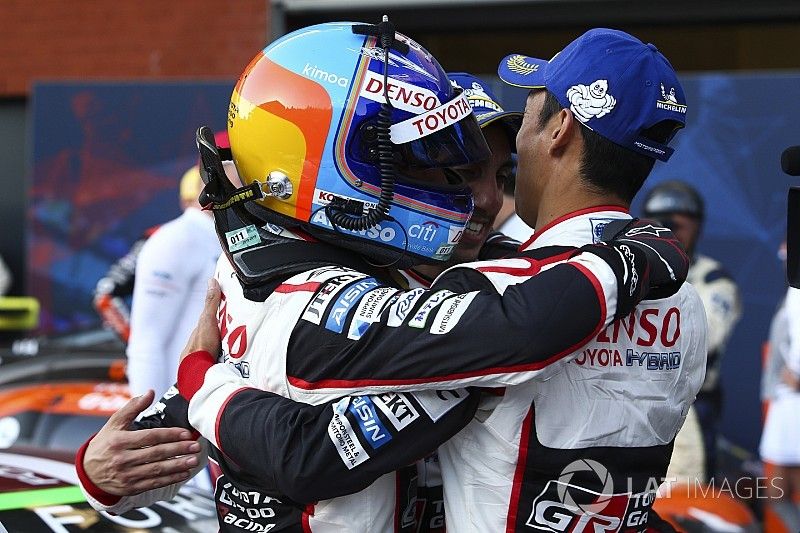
point(334, 122)
point(674, 197)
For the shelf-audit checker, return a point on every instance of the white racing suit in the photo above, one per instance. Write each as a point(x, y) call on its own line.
point(511, 322)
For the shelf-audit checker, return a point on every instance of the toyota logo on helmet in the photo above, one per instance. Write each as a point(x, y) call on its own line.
point(334, 129)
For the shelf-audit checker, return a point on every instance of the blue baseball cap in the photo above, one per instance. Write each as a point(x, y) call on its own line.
point(485, 106)
point(612, 82)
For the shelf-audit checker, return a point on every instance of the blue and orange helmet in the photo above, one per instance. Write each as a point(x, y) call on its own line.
point(310, 115)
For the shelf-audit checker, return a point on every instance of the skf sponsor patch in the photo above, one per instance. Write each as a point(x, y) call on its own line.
point(369, 310)
point(450, 312)
point(344, 439)
point(421, 316)
point(347, 302)
point(398, 311)
point(438, 403)
point(397, 408)
point(371, 426)
point(323, 297)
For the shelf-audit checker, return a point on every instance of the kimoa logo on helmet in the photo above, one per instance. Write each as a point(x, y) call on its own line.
point(315, 73)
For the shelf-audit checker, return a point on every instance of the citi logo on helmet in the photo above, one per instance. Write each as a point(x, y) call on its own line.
point(425, 231)
point(311, 71)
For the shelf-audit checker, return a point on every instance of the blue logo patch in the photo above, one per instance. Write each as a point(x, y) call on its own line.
point(371, 426)
point(345, 304)
point(598, 224)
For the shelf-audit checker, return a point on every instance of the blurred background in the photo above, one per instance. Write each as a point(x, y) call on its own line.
point(99, 102)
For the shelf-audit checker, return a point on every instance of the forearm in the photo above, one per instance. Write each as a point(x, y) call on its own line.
point(450, 339)
point(317, 452)
point(113, 504)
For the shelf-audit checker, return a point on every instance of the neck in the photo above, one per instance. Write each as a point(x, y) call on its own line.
point(564, 202)
point(429, 272)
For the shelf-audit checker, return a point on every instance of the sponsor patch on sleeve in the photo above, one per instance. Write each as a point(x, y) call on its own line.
point(346, 302)
point(372, 428)
point(450, 312)
point(399, 310)
point(323, 297)
point(369, 310)
point(421, 316)
point(438, 403)
point(344, 439)
point(397, 408)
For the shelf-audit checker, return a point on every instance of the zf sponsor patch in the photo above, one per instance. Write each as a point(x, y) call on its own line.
point(397, 408)
point(323, 297)
point(450, 312)
point(438, 403)
point(372, 428)
point(344, 439)
point(347, 302)
point(421, 316)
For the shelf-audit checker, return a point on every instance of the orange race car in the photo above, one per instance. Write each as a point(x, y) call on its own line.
point(50, 403)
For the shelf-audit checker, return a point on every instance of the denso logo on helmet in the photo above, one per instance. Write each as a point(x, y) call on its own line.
point(434, 120)
point(401, 95)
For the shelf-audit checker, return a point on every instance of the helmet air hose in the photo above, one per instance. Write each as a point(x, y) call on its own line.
point(349, 214)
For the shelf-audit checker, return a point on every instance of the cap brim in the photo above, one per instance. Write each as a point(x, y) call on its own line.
point(511, 121)
point(512, 118)
point(522, 71)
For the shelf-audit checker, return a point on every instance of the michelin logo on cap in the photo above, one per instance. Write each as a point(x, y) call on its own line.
point(592, 101)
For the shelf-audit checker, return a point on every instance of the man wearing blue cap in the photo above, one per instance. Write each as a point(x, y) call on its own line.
point(575, 447)
point(584, 445)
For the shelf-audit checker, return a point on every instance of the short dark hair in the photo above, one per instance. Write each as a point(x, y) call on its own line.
point(607, 166)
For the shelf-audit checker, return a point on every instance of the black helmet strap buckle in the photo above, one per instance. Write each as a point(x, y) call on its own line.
point(218, 192)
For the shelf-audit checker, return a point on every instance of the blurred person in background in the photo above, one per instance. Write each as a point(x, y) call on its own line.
point(112, 292)
point(172, 269)
point(680, 207)
point(5, 277)
point(780, 439)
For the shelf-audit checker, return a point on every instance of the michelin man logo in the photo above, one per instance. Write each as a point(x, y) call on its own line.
point(517, 63)
point(592, 101)
point(668, 97)
point(669, 101)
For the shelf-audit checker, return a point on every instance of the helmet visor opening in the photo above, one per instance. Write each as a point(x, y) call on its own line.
point(459, 144)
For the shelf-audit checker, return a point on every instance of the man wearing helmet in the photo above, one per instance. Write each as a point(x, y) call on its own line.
point(340, 317)
point(680, 207)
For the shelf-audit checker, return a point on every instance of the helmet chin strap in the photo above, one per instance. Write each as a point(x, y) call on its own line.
point(219, 193)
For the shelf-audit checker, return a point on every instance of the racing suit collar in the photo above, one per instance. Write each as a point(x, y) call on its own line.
point(576, 228)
